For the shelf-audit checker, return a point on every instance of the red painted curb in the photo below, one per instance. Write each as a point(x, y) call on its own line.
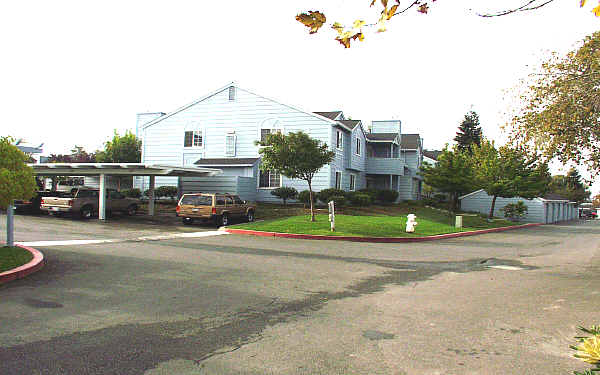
point(36, 264)
point(376, 239)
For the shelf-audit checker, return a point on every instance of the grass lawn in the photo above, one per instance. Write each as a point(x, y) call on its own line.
point(376, 221)
point(12, 257)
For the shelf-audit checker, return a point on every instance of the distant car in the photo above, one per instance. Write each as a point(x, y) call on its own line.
point(85, 202)
point(217, 208)
point(32, 205)
point(588, 214)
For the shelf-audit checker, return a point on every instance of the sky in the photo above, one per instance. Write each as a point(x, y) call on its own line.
point(74, 71)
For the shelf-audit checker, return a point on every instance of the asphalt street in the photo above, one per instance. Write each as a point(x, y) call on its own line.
point(169, 299)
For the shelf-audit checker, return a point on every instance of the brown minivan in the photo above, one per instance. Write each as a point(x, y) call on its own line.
point(218, 208)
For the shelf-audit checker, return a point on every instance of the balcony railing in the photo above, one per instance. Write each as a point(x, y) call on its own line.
point(385, 166)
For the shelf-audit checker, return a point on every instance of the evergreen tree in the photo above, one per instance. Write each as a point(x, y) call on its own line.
point(469, 132)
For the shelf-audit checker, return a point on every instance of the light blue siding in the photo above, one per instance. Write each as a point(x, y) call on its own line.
point(216, 116)
point(245, 187)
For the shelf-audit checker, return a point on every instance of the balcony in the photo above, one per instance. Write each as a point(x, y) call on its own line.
point(385, 166)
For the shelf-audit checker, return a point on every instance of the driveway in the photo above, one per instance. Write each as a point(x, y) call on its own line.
point(227, 304)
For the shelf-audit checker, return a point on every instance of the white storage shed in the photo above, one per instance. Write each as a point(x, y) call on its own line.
point(551, 208)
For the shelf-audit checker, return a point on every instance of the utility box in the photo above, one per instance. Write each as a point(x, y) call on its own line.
point(459, 222)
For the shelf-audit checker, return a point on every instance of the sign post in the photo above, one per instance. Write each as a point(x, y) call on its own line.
point(10, 229)
point(332, 215)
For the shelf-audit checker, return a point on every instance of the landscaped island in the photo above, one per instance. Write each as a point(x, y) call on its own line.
point(376, 222)
point(13, 257)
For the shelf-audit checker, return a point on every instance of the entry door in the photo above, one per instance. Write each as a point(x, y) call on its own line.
point(190, 159)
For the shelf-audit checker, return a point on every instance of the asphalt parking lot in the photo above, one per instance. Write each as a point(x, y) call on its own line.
point(171, 299)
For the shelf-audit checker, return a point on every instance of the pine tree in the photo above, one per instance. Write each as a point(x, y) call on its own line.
point(469, 132)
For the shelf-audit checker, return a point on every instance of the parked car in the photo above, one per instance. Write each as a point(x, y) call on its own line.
point(85, 203)
point(32, 205)
point(587, 213)
point(218, 208)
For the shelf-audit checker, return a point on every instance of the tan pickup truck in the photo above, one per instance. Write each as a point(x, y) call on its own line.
point(85, 202)
point(218, 208)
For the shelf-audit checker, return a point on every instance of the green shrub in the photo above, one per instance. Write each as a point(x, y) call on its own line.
point(515, 211)
point(358, 199)
point(338, 200)
point(285, 193)
point(325, 195)
point(440, 198)
point(132, 193)
point(370, 192)
point(304, 196)
point(166, 191)
point(387, 196)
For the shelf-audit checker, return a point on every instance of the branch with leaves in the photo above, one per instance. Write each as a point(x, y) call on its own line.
point(314, 20)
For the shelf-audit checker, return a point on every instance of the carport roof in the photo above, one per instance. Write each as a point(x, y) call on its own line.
point(124, 169)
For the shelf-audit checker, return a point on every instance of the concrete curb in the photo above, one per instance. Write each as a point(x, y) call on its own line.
point(36, 264)
point(376, 239)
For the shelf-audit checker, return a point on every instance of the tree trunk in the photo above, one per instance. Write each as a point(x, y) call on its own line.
point(493, 205)
point(310, 192)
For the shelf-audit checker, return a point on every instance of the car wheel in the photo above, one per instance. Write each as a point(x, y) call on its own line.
point(224, 220)
point(86, 212)
point(132, 210)
point(187, 220)
point(250, 216)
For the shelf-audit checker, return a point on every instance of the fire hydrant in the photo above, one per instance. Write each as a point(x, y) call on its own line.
point(411, 223)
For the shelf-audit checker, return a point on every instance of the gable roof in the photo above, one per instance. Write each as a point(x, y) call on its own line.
point(388, 137)
point(330, 115)
point(232, 84)
point(432, 154)
point(227, 162)
point(350, 123)
point(410, 141)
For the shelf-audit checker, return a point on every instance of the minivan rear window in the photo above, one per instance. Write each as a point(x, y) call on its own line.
point(197, 200)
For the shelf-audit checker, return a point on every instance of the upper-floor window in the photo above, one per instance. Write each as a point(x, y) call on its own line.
point(264, 133)
point(231, 93)
point(230, 143)
point(339, 143)
point(358, 146)
point(193, 138)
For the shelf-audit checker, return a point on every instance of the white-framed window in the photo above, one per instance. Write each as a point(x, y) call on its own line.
point(193, 138)
point(352, 182)
point(338, 180)
point(358, 146)
point(269, 179)
point(231, 93)
point(264, 133)
point(230, 144)
point(339, 143)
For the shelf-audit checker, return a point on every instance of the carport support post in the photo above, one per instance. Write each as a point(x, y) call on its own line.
point(102, 198)
point(151, 196)
point(10, 221)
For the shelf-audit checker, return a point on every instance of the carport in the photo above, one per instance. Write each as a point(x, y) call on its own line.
point(120, 169)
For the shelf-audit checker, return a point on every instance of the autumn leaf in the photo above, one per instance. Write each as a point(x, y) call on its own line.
point(582, 3)
point(345, 36)
point(423, 8)
point(596, 11)
point(313, 20)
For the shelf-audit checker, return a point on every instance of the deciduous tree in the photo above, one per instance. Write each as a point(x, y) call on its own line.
point(121, 149)
point(561, 118)
point(16, 178)
point(295, 155)
point(508, 172)
point(452, 174)
point(386, 10)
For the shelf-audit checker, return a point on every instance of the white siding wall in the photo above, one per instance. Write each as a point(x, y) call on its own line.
point(406, 188)
point(482, 202)
point(358, 162)
point(217, 115)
